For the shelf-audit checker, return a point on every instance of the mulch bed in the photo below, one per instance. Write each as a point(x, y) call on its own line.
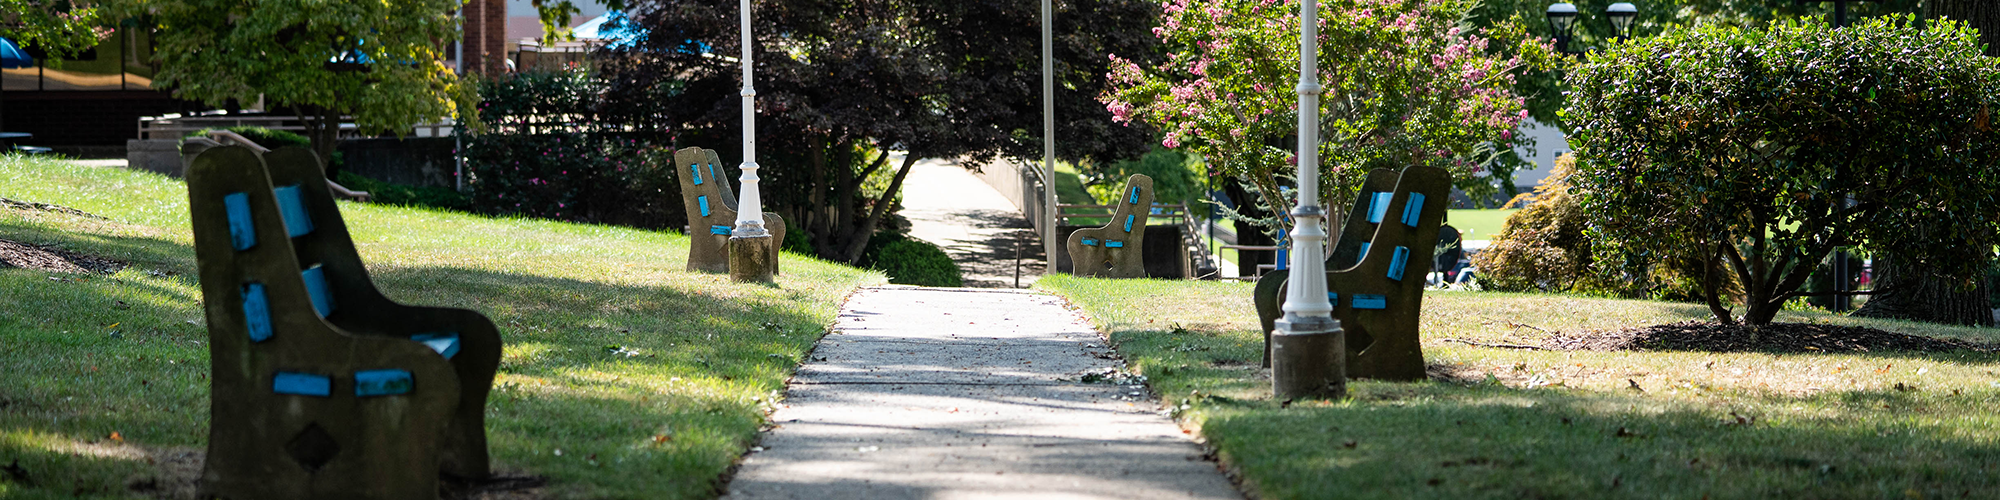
point(1775, 338)
point(52, 259)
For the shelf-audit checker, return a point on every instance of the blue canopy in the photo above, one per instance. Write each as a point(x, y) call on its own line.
point(620, 30)
point(11, 56)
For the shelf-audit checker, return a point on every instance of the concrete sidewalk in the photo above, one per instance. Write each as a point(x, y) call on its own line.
point(983, 232)
point(929, 393)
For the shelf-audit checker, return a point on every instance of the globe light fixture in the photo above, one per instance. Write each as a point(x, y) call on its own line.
point(1562, 22)
point(1621, 15)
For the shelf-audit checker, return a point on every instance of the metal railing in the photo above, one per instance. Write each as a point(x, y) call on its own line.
point(176, 126)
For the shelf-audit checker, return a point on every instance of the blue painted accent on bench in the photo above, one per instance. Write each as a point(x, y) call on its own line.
point(1284, 255)
point(256, 312)
point(369, 383)
point(721, 230)
point(1128, 222)
point(445, 343)
point(1089, 242)
point(711, 171)
point(1333, 298)
point(242, 231)
point(1397, 263)
point(298, 222)
point(1364, 250)
point(1363, 301)
point(703, 200)
point(1135, 195)
point(1378, 207)
point(1412, 209)
point(316, 288)
point(1114, 244)
point(696, 168)
point(302, 384)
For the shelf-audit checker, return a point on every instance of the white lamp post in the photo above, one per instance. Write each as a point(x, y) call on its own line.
point(1308, 347)
point(752, 254)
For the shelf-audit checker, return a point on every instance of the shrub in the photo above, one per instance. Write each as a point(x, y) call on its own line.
point(1542, 248)
point(441, 198)
point(274, 139)
point(1759, 151)
point(912, 262)
point(551, 150)
point(1547, 247)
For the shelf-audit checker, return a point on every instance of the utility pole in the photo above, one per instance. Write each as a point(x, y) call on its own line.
point(1049, 138)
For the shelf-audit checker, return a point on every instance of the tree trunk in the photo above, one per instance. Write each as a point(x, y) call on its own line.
point(1983, 15)
point(1918, 295)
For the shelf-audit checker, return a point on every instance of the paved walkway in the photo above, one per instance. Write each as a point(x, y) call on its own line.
point(978, 227)
point(933, 393)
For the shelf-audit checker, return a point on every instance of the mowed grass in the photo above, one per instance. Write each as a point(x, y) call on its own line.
point(624, 376)
point(1517, 423)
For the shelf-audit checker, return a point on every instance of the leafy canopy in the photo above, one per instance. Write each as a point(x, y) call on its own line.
point(58, 27)
point(216, 50)
point(1762, 150)
point(1405, 85)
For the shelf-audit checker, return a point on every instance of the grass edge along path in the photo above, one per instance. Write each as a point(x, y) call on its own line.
point(1525, 423)
point(624, 376)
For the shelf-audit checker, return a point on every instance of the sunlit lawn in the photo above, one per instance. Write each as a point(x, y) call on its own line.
point(1517, 423)
point(624, 376)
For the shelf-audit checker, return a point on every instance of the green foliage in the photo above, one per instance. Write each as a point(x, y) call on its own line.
point(1404, 85)
point(1177, 177)
point(1736, 146)
point(59, 28)
point(274, 139)
point(1542, 248)
point(216, 50)
point(916, 262)
point(1545, 247)
point(440, 198)
point(548, 151)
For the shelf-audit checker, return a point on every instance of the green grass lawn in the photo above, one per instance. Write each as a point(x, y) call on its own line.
point(624, 376)
point(1511, 423)
point(1479, 224)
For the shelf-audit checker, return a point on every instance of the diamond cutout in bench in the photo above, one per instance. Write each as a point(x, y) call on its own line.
point(312, 448)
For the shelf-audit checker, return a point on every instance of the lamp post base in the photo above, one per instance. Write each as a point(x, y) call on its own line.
point(1308, 364)
point(753, 258)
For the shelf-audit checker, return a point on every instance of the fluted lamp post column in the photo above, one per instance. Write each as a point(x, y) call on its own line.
point(1308, 347)
point(753, 254)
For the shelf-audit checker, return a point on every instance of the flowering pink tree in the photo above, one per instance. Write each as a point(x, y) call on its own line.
point(1404, 86)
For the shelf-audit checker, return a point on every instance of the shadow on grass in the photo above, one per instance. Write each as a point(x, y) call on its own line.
point(619, 391)
point(1466, 438)
point(1441, 441)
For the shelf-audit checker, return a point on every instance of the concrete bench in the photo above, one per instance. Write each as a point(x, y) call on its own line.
point(1116, 249)
point(322, 387)
point(1376, 272)
point(711, 211)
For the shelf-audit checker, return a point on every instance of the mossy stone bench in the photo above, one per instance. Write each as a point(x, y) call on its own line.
point(711, 211)
point(323, 388)
point(1116, 250)
point(1376, 273)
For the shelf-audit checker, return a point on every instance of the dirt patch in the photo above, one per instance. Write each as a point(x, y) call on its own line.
point(53, 259)
point(1775, 338)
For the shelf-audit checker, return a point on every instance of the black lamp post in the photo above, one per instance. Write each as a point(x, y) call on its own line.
point(1841, 274)
point(1562, 22)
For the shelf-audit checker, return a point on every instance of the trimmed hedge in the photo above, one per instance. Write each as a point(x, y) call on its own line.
point(912, 262)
